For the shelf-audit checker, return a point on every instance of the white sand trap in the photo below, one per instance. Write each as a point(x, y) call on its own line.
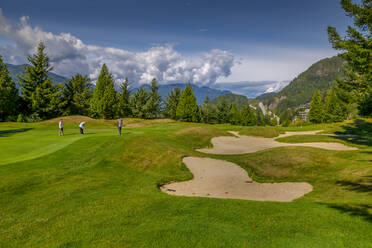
point(248, 144)
point(221, 179)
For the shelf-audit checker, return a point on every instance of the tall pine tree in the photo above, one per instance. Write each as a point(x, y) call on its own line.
point(124, 99)
point(356, 49)
point(187, 109)
point(153, 104)
point(172, 102)
point(78, 93)
point(316, 114)
point(104, 101)
point(234, 114)
point(42, 97)
point(9, 97)
point(223, 111)
point(138, 103)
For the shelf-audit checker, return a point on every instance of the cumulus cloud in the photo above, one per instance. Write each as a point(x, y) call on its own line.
point(69, 55)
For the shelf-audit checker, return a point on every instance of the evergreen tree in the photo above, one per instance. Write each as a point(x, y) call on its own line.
point(138, 103)
point(208, 111)
point(153, 104)
point(172, 102)
point(104, 101)
point(40, 95)
point(286, 117)
point(234, 114)
point(187, 109)
point(9, 97)
point(357, 51)
point(260, 117)
point(124, 99)
point(247, 116)
point(78, 93)
point(334, 109)
point(223, 111)
point(316, 114)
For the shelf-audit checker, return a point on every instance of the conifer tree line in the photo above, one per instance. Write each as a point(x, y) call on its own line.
point(39, 98)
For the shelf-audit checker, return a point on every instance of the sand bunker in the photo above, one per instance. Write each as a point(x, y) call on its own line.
point(221, 179)
point(248, 144)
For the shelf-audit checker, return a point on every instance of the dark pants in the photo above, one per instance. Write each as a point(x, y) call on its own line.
point(81, 131)
point(119, 129)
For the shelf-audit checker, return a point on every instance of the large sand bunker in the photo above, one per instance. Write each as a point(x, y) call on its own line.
point(248, 144)
point(222, 179)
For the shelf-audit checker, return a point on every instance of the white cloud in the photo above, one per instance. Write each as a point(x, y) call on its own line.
point(70, 55)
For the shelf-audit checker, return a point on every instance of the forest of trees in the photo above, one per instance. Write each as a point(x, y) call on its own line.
point(41, 99)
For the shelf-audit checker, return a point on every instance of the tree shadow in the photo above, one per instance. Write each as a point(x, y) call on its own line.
point(8, 133)
point(360, 210)
point(359, 132)
point(364, 185)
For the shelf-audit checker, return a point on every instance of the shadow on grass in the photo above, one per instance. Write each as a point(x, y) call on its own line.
point(360, 210)
point(362, 131)
point(364, 185)
point(8, 133)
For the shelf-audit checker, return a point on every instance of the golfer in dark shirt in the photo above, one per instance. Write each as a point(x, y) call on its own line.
point(120, 125)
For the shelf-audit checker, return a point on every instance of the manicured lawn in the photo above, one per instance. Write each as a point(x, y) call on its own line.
point(100, 190)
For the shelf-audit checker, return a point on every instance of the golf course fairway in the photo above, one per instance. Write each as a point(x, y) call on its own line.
point(104, 190)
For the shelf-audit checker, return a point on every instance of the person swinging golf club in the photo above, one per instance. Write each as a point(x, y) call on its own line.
point(82, 126)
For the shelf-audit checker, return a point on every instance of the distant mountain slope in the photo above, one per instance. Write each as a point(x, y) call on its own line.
point(16, 70)
point(199, 92)
point(239, 99)
point(320, 76)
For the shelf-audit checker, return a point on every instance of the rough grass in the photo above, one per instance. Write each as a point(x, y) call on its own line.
point(310, 138)
point(100, 190)
point(267, 132)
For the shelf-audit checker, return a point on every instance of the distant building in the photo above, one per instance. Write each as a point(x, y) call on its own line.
point(303, 115)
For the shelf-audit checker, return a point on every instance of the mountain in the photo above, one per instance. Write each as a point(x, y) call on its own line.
point(252, 89)
point(199, 92)
point(239, 99)
point(16, 70)
point(320, 76)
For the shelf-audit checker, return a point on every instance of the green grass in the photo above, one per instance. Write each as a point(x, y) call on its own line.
point(100, 190)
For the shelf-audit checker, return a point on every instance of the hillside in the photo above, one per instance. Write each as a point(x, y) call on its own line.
point(199, 92)
point(16, 70)
point(239, 99)
point(320, 75)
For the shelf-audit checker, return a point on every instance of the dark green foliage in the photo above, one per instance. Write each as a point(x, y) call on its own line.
point(357, 51)
point(208, 111)
point(334, 109)
point(40, 95)
point(316, 114)
point(234, 114)
point(104, 101)
point(171, 103)
point(124, 99)
point(286, 117)
point(153, 104)
point(260, 117)
point(187, 109)
point(9, 98)
point(138, 103)
point(223, 111)
point(77, 93)
point(231, 98)
point(247, 116)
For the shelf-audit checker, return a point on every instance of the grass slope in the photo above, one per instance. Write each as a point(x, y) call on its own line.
point(100, 190)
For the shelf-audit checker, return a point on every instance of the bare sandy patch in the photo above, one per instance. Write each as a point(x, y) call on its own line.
point(221, 179)
point(249, 144)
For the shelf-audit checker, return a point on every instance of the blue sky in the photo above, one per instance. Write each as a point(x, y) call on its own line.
point(269, 40)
